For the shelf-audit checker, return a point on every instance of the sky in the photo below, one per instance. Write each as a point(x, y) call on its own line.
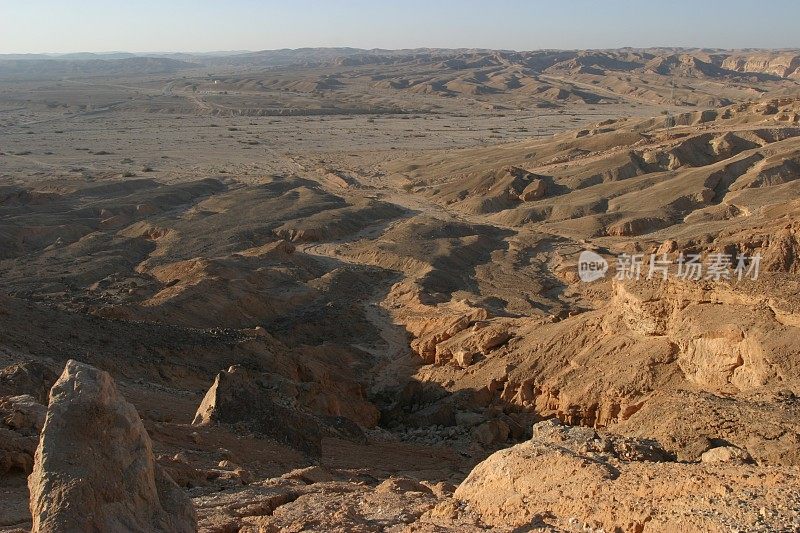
point(60, 26)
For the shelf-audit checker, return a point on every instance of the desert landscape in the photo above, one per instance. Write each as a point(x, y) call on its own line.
point(336, 289)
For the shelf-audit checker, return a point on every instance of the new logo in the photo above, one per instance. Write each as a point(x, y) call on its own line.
point(591, 266)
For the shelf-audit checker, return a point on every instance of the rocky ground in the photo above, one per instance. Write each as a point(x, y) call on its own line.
point(282, 327)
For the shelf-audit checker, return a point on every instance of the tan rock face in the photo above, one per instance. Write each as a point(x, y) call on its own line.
point(463, 358)
point(430, 332)
point(402, 485)
point(783, 65)
point(573, 477)
point(712, 329)
point(465, 345)
point(503, 486)
point(726, 357)
point(535, 190)
point(94, 468)
point(726, 454)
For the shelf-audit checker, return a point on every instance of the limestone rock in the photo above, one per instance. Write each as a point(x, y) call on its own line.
point(463, 358)
point(251, 398)
point(400, 485)
point(16, 451)
point(496, 487)
point(492, 432)
point(491, 339)
point(22, 413)
point(563, 474)
point(94, 468)
point(30, 377)
point(553, 431)
point(535, 190)
point(726, 454)
point(667, 247)
point(21, 419)
point(479, 340)
point(309, 475)
point(587, 440)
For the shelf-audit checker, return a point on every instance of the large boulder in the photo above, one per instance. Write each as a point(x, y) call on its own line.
point(535, 190)
point(260, 402)
point(572, 478)
point(726, 454)
point(94, 468)
point(514, 486)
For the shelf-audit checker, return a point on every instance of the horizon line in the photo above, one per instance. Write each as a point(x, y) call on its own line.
point(379, 49)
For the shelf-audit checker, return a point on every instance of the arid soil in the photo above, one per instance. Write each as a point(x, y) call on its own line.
point(338, 290)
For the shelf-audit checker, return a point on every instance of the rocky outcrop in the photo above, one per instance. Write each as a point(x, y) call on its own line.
point(477, 341)
point(21, 419)
point(30, 377)
point(783, 252)
point(16, 452)
point(290, 503)
point(94, 468)
point(765, 429)
point(491, 432)
point(22, 413)
point(636, 226)
point(263, 403)
point(571, 478)
point(726, 454)
point(431, 331)
point(535, 190)
point(712, 328)
point(783, 65)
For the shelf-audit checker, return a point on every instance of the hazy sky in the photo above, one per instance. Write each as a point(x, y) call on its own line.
point(205, 25)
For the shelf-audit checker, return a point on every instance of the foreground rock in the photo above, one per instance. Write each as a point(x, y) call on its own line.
point(94, 468)
point(572, 477)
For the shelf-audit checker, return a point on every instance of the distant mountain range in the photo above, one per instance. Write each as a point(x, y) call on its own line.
point(664, 61)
